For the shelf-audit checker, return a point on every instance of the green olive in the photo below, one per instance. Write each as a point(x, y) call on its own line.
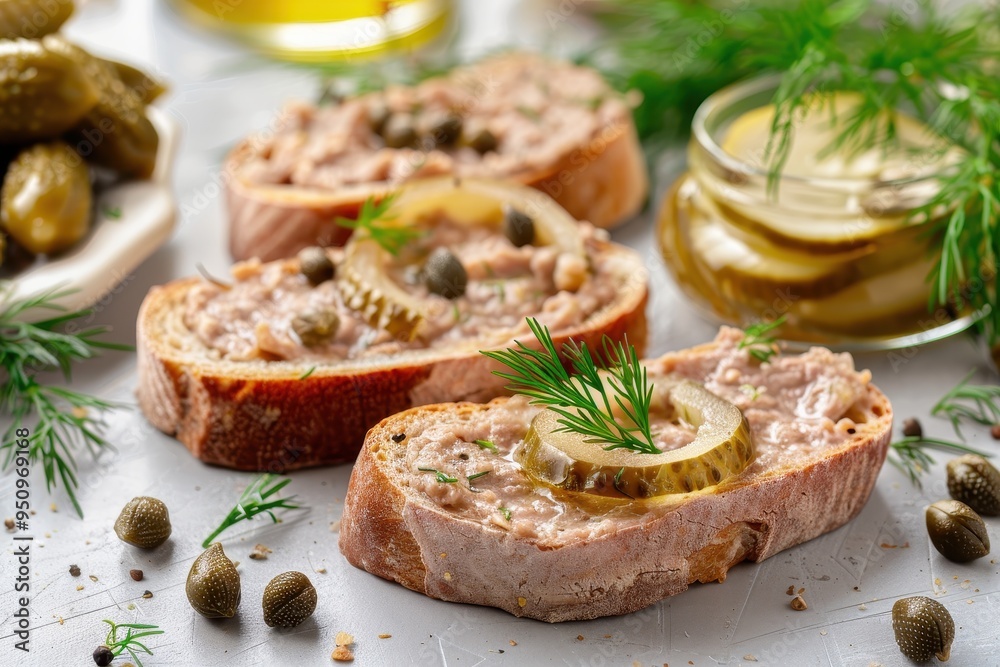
point(446, 130)
point(482, 141)
point(213, 584)
point(444, 274)
point(399, 131)
point(923, 628)
point(42, 93)
point(518, 227)
point(32, 19)
point(315, 265)
point(957, 531)
point(289, 599)
point(316, 327)
point(116, 133)
point(144, 522)
point(46, 198)
point(144, 87)
point(974, 481)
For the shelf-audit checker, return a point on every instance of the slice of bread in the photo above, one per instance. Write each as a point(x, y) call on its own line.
point(821, 434)
point(559, 128)
point(263, 413)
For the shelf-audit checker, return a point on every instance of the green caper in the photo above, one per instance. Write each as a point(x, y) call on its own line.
point(378, 116)
point(957, 531)
point(974, 481)
point(518, 227)
point(315, 265)
point(32, 19)
point(399, 131)
point(482, 141)
point(213, 584)
point(144, 87)
point(446, 130)
point(315, 327)
point(289, 599)
point(144, 522)
point(923, 628)
point(42, 93)
point(444, 275)
point(116, 133)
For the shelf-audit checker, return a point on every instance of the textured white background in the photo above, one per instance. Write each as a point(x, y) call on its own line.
point(220, 93)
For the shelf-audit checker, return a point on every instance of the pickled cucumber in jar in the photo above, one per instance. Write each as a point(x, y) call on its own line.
point(42, 93)
point(45, 200)
point(116, 132)
point(32, 19)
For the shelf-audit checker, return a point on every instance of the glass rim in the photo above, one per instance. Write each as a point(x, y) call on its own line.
point(735, 93)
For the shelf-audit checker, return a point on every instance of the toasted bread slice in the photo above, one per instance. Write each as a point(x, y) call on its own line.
point(821, 433)
point(222, 369)
point(559, 128)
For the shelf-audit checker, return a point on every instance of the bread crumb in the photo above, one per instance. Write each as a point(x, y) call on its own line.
point(342, 654)
point(521, 602)
point(58, 617)
point(53, 507)
point(320, 570)
point(335, 526)
point(791, 590)
point(862, 607)
point(135, 574)
point(579, 638)
point(385, 635)
point(749, 657)
point(607, 636)
point(512, 642)
point(343, 639)
point(798, 603)
point(801, 591)
point(822, 633)
point(80, 587)
point(969, 601)
point(260, 552)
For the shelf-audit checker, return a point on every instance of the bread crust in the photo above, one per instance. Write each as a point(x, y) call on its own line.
point(604, 182)
point(398, 535)
point(264, 416)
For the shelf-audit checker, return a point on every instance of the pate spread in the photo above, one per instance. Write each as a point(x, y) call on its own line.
point(538, 111)
point(253, 318)
point(797, 406)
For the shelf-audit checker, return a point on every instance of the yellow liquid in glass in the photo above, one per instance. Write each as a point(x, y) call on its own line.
point(295, 11)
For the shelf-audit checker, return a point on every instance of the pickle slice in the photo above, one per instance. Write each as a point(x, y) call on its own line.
point(722, 447)
point(367, 288)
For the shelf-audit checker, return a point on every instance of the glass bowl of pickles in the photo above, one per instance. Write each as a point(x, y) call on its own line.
point(831, 244)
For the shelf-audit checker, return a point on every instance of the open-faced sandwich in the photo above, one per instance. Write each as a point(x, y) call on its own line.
point(603, 492)
point(552, 125)
point(289, 363)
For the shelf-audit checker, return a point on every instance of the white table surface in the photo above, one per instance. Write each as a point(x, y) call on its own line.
point(851, 576)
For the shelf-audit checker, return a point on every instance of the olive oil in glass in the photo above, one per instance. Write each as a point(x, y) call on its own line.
point(318, 30)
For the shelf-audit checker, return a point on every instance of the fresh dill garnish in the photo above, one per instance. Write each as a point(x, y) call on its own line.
point(977, 403)
point(130, 641)
point(910, 457)
point(255, 500)
point(584, 401)
point(752, 392)
point(375, 222)
point(487, 444)
point(758, 342)
point(477, 475)
point(506, 513)
point(65, 419)
point(312, 369)
point(440, 476)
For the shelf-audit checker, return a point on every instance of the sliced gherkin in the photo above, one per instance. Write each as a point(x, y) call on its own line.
point(722, 447)
point(32, 19)
point(42, 93)
point(367, 288)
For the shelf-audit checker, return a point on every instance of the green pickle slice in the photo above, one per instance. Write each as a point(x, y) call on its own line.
point(367, 289)
point(722, 447)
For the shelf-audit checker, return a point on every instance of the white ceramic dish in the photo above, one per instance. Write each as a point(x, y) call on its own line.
point(144, 218)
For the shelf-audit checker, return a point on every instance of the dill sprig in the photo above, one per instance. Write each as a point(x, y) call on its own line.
point(64, 420)
point(255, 500)
point(977, 403)
point(909, 455)
point(375, 222)
point(441, 477)
point(758, 342)
point(583, 400)
point(130, 641)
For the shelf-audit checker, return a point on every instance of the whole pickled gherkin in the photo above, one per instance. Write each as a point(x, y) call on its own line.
point(42, 93)
point(32, 19)
point(46, 198)
point(116, 132)
point(143, 86)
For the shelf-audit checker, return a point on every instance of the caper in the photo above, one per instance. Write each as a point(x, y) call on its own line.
point(103, 656)
point(399, 131)
point(482, 141)
point(213, 584)
point(957, 531)
point(518, 227)
point(446, 130)
point(315, 265)
point(289, 599)
point(923, 628)
point(912, 428)
point(42, 94)
point(46, 197)
point(974, 481)
point(32, 19)
point(315, 327)
point(378, 116)
point(444, 274)
point(144, 522)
